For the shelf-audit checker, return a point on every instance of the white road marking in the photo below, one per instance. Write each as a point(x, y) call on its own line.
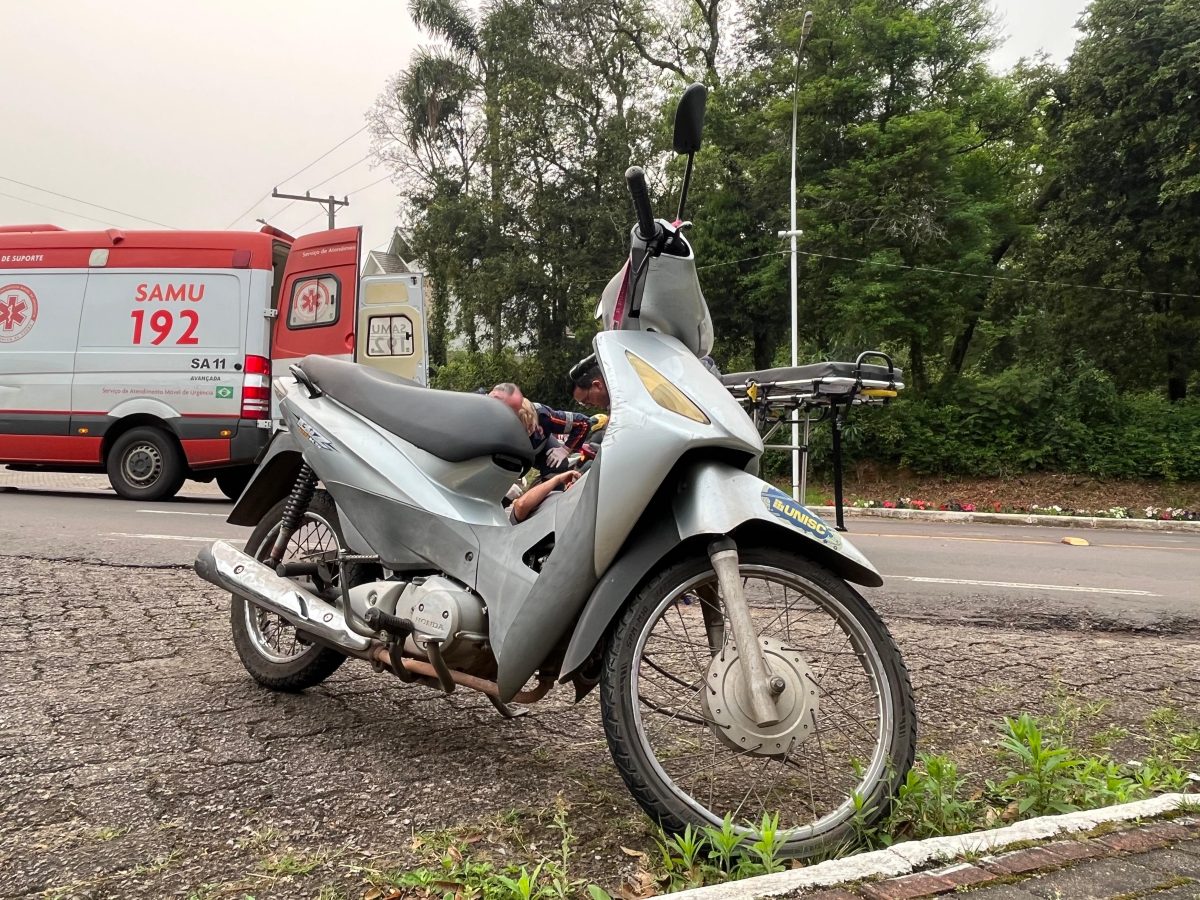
point(920, 579)
point(167, 537)
point(1075, 589)
point(172, 512)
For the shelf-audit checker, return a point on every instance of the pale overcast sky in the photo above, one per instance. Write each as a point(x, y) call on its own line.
point(187, 113)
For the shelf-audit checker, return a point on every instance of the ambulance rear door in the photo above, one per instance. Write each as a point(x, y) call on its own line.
point(391, 325)
point(317, 301)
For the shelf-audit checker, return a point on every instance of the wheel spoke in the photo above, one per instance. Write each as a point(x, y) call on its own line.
point(657, 668)
point(313, 540)
point(711, 755)
point(679, 715)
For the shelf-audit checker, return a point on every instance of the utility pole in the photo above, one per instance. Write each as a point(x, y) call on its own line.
point(799, 466)
point(329, 202)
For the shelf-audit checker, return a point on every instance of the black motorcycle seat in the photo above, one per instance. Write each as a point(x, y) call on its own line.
point(452, 426)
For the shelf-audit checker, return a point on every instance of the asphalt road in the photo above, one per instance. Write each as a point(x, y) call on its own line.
point(137, 759)
point(1015, 575)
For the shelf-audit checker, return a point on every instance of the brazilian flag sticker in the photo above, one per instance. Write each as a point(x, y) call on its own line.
point(783, 507)
point(224, 392)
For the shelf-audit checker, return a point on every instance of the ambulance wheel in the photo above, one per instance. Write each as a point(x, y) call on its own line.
point(145, 464)
point(233, 481)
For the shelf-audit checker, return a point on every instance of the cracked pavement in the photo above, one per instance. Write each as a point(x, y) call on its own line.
point(138, 759)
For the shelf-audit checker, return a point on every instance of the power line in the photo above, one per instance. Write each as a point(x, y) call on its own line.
point(348, 194)
point(329, 204)
point(734, 262)
point(871, 262)
point(56, 209)
point(296, 174)
point(326, 153)
point(290, 203)
point(342, 172)
point(312, 219)
point(371, 185)
point(1009, 278)
point(34, 187)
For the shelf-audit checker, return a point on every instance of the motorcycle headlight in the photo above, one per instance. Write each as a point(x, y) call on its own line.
point(663, 392)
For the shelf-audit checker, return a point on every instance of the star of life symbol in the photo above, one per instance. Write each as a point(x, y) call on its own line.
point(18, 312)
point(314, 304)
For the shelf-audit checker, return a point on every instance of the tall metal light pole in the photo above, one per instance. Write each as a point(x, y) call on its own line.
point(793, 234)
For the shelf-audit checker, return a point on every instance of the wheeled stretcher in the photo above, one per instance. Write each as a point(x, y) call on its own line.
point(827, 390)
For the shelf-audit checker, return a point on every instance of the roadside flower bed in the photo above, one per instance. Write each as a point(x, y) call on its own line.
point(1164, 514)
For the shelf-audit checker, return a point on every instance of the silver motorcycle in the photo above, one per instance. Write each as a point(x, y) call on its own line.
point(739, 674)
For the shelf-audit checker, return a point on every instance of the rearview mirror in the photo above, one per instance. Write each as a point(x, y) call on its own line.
point(689, 119)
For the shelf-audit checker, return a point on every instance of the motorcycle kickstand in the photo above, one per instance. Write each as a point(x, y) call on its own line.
point(509, 712)
point(758, 681)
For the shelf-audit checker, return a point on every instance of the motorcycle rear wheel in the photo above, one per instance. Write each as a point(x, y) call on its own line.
point(271, 649)
point(674, 713)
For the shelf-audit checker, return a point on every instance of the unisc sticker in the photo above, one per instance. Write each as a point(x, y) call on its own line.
point(18, 312)
point(784, 507)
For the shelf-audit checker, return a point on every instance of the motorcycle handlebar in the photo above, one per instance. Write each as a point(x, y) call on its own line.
point(635, 178)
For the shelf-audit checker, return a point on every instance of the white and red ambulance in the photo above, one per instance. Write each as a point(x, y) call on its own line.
point(149, 354)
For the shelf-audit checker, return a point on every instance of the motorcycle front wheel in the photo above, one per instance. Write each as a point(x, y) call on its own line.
point(676, 715)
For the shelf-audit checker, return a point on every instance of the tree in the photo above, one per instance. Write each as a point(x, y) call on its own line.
point(513, 139)
point(910, 157)
point(1127, 214)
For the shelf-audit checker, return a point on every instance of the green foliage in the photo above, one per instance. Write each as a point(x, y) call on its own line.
point(931, 799)
point(713, 855)
point(459, 870)
point(515, 123)
point(1067, 420)
point(1047, 777)
point(1127, 212)
point(1043, 775)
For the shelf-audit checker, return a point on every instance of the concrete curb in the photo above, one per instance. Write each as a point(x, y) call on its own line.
point(987, 518)
point(905, 858)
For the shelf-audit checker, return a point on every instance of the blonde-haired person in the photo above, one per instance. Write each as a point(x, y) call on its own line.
point(528, 416)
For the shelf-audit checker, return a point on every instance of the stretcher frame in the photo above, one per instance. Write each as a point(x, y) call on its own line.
point(778, 397)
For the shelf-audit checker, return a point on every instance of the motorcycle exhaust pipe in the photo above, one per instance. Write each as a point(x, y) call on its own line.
point(231, 569)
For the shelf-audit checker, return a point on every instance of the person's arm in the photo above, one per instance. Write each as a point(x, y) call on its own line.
point(572, 425)
point(525, 505)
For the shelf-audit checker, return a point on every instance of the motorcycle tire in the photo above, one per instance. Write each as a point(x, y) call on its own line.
point(657, 772)
point(270, 666)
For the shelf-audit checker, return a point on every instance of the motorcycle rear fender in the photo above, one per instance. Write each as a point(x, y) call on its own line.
point(271, 482)
point(711, 498)
point(274, 479)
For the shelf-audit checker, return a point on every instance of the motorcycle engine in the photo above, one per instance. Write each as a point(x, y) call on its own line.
point(439, 608)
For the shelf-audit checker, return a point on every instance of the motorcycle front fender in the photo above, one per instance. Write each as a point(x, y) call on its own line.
point(713, 498)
